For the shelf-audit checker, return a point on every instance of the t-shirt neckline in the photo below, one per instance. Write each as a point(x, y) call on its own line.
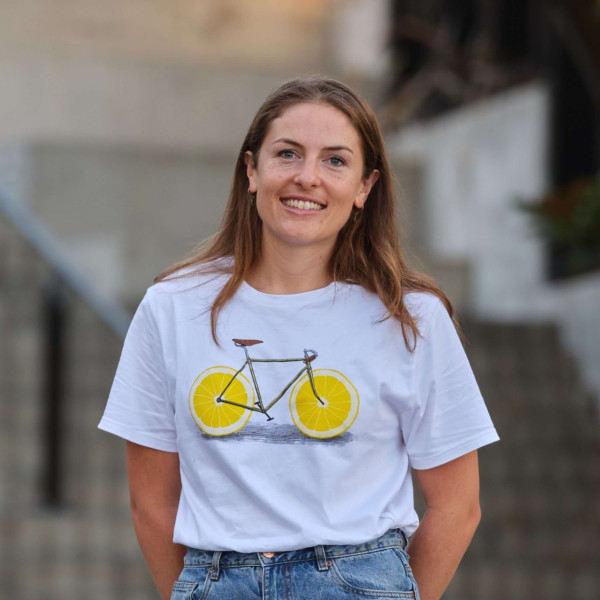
point(301, 298)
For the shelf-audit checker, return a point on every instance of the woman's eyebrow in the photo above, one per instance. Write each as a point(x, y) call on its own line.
point(287, 141)
point(338, 148)
point(299, 145)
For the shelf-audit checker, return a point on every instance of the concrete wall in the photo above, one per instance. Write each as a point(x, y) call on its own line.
point(126, 214)
point(17, 172)
point(174, 73)
point(258, 34)
point(118, 102)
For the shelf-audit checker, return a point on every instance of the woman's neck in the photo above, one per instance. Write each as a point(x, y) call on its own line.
point(290, 272)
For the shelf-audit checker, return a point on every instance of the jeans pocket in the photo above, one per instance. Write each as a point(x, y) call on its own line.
point(193, 584)
point(404, 559)
point(374, 574)
point(183, 590)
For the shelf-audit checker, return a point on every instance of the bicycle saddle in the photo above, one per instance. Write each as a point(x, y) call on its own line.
point(246, 342)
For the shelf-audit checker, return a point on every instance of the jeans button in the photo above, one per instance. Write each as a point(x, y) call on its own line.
point(268, 554)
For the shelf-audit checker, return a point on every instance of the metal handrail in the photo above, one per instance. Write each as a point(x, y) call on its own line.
point(51, 250)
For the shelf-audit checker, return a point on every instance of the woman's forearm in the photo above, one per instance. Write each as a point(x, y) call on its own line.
point(154, 488)
point(154, 530)
point(438, 546)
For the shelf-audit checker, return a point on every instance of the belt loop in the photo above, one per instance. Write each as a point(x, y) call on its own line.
point(214, 569)
point(321, 558)
point(404, 546)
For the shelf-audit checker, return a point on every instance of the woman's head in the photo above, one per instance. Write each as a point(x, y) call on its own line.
point(307, 179)
point(242, 224)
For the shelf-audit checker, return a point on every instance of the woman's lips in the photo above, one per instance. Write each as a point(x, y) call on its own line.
point(302, 204)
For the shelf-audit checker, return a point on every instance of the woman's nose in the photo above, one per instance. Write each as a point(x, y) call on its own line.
point(307, 175)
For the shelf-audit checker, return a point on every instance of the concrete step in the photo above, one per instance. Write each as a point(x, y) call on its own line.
point(88, 549)
point(499, 581)
point(540, 486)
point(75, 554)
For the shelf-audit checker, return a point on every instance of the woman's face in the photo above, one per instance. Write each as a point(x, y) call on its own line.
point(308, 177)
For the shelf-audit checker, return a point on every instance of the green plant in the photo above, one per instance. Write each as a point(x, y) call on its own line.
point(569, 218)
point(570, 214)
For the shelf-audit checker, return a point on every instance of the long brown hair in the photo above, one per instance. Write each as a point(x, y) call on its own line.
point(367, 250)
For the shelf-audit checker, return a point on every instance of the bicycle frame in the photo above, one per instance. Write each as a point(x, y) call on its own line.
point(309, 356)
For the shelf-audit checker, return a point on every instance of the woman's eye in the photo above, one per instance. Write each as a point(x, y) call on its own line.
point(336, 161)
point(286, 154)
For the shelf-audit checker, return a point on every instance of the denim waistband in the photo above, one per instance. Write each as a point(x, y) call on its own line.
point(394, 538)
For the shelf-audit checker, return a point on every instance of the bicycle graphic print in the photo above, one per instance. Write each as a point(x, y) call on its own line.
point(323, 402)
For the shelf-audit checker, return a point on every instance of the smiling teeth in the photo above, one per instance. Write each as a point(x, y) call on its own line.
point(303, 204)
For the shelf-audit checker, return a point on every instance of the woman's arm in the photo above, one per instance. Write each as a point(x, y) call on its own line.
point(154, 487)
point(451, 493)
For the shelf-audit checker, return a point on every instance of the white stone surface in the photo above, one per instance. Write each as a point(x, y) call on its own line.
point(478, 161)
point(578, 313)
point(360, 38)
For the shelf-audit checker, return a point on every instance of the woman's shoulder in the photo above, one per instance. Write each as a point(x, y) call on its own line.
point(422, 302)
point(426, 308)
point(202, 281)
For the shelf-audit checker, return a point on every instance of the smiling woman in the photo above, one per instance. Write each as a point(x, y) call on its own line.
point(238, 494)
point(306, 186)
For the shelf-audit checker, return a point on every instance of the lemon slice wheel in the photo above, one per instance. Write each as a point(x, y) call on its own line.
point(220, 418)
point(330, 419)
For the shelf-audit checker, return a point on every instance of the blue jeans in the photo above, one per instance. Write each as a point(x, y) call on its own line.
point(375, 569)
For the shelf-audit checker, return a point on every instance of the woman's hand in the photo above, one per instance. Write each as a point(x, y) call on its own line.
point(451, 492)
point(155, 487)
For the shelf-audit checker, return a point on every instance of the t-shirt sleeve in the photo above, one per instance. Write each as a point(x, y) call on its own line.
point(139, 408)
point(450, 418)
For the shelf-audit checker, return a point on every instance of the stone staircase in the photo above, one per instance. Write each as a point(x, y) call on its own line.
point(540, 532)
point(540, 485)
point(86, 547)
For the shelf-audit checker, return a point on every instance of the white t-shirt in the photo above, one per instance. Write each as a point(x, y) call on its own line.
point(252, 484)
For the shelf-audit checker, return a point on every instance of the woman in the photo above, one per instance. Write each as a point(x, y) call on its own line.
point(311, 496)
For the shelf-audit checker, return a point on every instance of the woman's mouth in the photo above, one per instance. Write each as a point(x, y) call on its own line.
point(302, 204)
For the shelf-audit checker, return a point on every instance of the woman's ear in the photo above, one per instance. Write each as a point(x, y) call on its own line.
point(250, 171)
point(365, 190)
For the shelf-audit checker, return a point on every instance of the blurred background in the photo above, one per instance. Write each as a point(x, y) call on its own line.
point(120, 122)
